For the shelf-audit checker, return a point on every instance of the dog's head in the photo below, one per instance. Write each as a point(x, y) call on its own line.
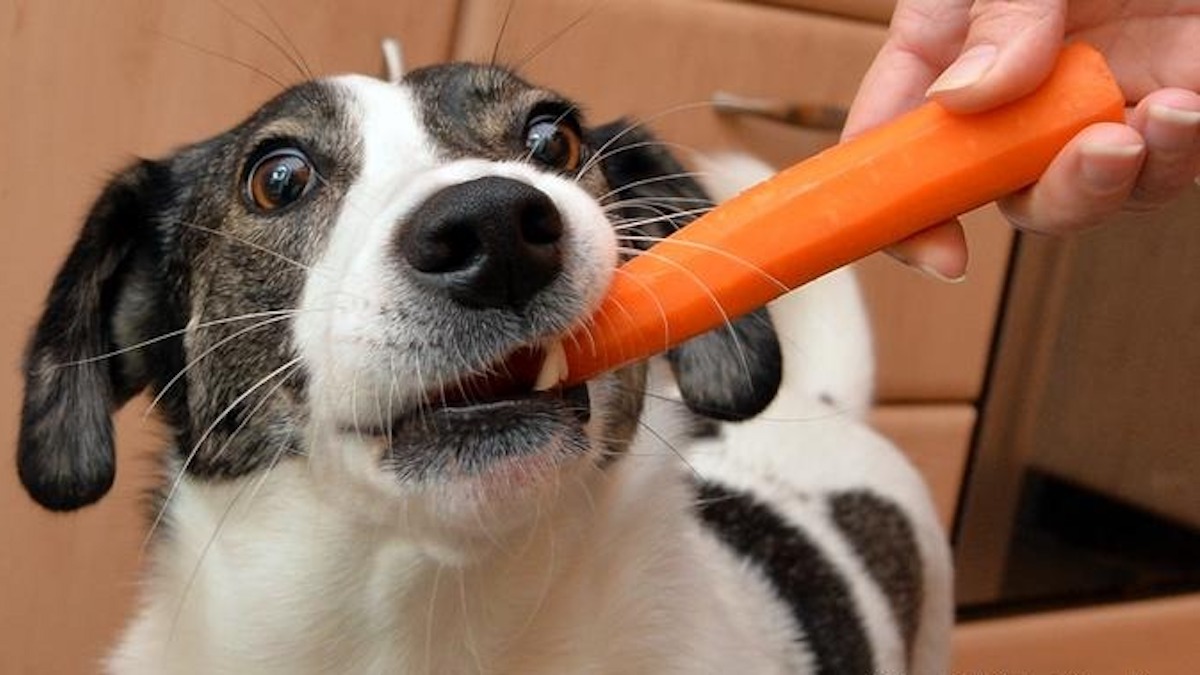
point(375, 277)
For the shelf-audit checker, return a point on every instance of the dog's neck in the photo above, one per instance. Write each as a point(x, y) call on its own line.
point(260, 569)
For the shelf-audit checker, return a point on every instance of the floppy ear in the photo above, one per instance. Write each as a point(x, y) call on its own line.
point(65, 454)
point(731, 373)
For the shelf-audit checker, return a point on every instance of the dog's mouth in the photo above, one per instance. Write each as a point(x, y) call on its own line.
point(515, 410)
point(527, 382)
point(531, 372)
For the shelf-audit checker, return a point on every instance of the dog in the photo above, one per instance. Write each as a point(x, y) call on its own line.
point(350, 311)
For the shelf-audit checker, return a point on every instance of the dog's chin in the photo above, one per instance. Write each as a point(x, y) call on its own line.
point(491, 450)
point(452, 478)
point(494, 444)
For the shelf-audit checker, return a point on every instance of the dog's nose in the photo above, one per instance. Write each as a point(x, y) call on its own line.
point(489, 242)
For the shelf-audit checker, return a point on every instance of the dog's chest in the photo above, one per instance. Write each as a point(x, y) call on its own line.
point(293, 587)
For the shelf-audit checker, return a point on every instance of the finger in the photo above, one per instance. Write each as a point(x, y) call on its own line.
point(940, 251)
point(924, 37)
point(894, 84)
point(1010, 48)
point(1088, 181)
point(1169, 121)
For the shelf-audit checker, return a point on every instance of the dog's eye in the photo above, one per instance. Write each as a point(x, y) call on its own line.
point(279, 178)
point(553, 142)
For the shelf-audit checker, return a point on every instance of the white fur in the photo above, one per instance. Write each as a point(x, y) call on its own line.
point(618, 578)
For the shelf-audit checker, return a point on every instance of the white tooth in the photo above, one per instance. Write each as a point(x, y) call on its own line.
point(554, 368)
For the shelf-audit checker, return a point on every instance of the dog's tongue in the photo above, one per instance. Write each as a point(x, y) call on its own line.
point(515, 376)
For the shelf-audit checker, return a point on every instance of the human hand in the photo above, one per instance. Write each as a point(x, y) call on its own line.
point(972, 56)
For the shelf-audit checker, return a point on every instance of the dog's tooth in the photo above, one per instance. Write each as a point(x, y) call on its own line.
point(554, 368)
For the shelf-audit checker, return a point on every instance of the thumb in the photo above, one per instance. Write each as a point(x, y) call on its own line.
point(1011, 47)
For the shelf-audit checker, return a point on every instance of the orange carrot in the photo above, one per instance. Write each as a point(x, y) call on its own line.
point(838, 206)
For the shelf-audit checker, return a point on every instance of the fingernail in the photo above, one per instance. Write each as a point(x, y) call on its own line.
point(925, 268)
point(1107, 167)
point(930, 270)
point(970, 68)
point(1171, 127)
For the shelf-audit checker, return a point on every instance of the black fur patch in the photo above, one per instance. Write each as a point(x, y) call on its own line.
point(731, 373)
point(883, 539)
point(65, 455)
point(819, 598)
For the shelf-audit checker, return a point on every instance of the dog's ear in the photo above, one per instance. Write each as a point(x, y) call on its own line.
point(731, 373)
point(73, 384)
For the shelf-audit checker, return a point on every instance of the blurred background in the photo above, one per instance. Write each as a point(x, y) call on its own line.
point(1050, 400)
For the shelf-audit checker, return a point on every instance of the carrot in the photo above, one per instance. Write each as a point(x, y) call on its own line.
point(838, 206)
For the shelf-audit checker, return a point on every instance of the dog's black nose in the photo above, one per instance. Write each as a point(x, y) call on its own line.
point(489, 242)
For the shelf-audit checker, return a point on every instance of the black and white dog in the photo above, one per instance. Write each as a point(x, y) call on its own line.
point(350, 309)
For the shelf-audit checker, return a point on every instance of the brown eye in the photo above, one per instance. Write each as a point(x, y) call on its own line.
point(279, 178)
point(553, 142)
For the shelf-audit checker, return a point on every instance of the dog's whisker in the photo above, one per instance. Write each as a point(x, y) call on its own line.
point(482, 522)
point(175, 483)
point(382, 416)
point(666, 443)
point(657, 304)
point(258, 405)
point(422, 403)
point(555, 37)
point(603, 313)
point(314, 269)
point(392, 385)
point(642, 182)
point(468, 625)
point(222, 57)
point(244, 22)
point(739, 348)
point(246, 242)
point(221, 520)
point(572, 335)
point(167, 336)
point(626, 221)
point(671, 217)
point(210, 350)
point(282, 449)
point(634, 126)
point(659, 205)
point(429, 617)
point(834, 412)
point(587, 493)
point(295, 55)
point(640, 145)
point(663, 202)
point(201, 556)
point(508, 10)
point(358, 428)
point(710, 249)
